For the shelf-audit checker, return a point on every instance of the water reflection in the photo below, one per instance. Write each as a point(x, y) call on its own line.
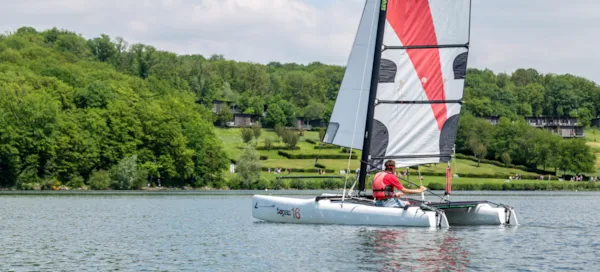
point(414, 250)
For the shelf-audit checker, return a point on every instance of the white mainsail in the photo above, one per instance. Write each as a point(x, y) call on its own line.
point(421, 81)
point(347, 123)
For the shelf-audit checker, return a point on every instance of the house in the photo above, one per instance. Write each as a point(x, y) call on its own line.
point(245, 120)
point(595, 123)
point(306, 124)
point(544, 121)
point(492, 119)
point(567, 131)
point(566, 127)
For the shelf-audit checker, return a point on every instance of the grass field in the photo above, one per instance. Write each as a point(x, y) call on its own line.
point(592, 136)
point(233, 145)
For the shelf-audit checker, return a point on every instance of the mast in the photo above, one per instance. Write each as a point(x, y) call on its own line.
point(372, 96)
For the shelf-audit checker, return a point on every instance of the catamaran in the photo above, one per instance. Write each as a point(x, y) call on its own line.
point(400, 100)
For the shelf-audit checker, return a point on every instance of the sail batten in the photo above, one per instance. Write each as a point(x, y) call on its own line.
point(419, 101)
point(408, 85)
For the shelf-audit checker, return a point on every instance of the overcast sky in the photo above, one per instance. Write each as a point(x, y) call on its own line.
point(552, 36)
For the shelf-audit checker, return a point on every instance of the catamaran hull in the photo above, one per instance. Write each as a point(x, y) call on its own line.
point(324, 211)
point(482, 214)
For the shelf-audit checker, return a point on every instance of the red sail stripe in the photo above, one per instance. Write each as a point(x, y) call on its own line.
point(413, 23)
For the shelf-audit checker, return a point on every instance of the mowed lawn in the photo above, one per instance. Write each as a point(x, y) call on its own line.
point(233, 145)
point(592, 137)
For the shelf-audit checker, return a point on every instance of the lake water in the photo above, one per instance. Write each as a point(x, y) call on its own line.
point(212, 232)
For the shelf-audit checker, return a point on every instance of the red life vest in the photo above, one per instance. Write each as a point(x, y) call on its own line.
point(380, 190)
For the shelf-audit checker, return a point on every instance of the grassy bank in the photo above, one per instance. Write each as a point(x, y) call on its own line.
point(312, 154)
point(301, 162)
point(334, 182)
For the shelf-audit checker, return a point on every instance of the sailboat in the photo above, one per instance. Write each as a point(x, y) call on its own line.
point(400, 99)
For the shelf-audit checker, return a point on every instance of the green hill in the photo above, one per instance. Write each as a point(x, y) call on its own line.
point(233, 144)
point(69, 116)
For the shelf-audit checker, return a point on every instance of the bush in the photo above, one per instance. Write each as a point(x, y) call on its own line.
point(248, 167)
point(313, 184)
point(491, 186)
point(247, 135)
point(256, 131)
point(436, 186)
point(263, 158)
point(76, 182)
point(332, 184)
point(290, 138)
point(312, 156)
point(262, 184)
point(127, 174)
point(27, 178)
point(99, 180)
point(347, 150)
point(279, 130)
point(280, 184)
point(318, 165)
point(299, 184)
point(326, 146)
point(268, 143)
point(311, 141)
point(322, 132)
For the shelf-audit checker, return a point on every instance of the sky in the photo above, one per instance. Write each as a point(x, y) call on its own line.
point(552, 36)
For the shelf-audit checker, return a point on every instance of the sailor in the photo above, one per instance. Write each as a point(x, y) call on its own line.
point(383, 187)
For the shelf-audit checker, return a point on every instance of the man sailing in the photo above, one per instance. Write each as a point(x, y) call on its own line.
point(383, 188)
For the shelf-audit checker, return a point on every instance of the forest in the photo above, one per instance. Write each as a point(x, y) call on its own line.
point(103, 113)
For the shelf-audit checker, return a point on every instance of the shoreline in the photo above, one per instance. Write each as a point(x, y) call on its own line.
point(300, 192)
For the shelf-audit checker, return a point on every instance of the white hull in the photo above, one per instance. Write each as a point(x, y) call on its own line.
point(482, 214)
point(326, 211)
point(310, 211)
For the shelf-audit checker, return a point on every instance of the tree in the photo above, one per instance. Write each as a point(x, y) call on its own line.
point(127, 174)
point(102, 48)
point(225, 115)
point(248, 167)
point(268, 143)
point(478, 149)
point(280, 130)
point(247, 135)
point(290, 138)
point(314, 111)
point(506, 158)
point(256, 132)
point(275, 115)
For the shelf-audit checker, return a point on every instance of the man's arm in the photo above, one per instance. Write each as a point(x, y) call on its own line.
point(413, 191)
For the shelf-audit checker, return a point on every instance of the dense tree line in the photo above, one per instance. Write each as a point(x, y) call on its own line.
point(529, 93)
point(75, 109)
point(67, 114)
point(514, 141)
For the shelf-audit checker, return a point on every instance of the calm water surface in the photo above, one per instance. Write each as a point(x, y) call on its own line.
point(207, 232)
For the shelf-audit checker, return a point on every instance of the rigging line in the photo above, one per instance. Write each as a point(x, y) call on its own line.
point(362, 81)
point(420, 182)
point(442, 198)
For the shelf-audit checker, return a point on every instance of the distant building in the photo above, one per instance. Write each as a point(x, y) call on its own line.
point(245, 120)
point(566, 127)
point(595, 123)
point(492, 119)
point(303, 123)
